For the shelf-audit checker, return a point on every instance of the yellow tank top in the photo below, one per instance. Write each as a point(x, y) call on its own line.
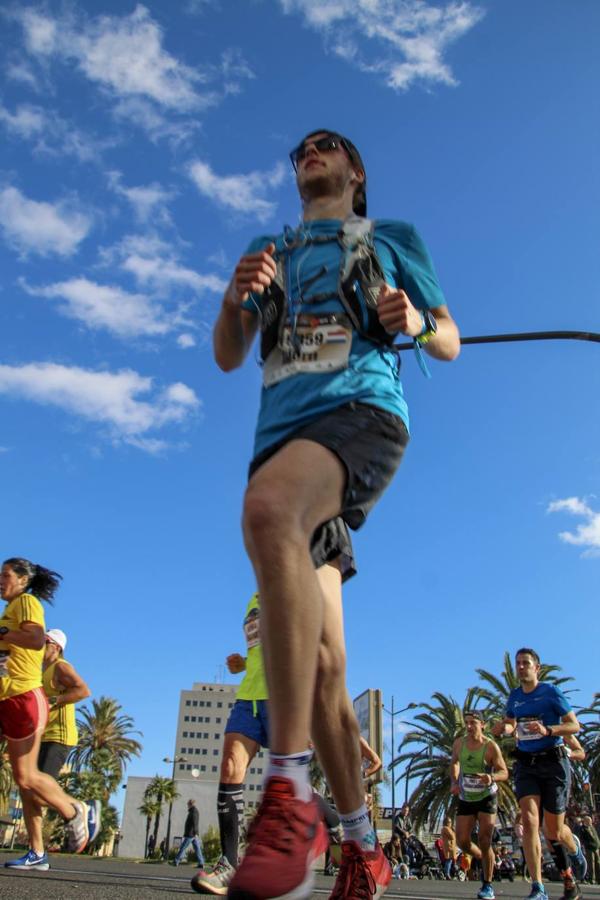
point(20, 669)
point(61, 721)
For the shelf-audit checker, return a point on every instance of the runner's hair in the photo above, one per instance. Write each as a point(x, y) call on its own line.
point(531, 653)
point(43, 583)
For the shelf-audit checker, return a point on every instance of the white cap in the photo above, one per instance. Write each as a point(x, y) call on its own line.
point(57, 637)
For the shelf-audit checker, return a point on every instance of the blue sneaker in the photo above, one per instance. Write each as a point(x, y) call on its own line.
point(538, 892)
point(94, 819)
point(578, 861)
point(30, 861)
point(486, 892)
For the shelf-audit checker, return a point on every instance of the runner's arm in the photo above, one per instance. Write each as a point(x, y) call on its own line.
point(454, 768)
point(445, 343)
point(495, 759)
point(504, 728)
point(75, 687)
point(367, 752)
point(30, 636)
point(577, 751)
point(235, 327)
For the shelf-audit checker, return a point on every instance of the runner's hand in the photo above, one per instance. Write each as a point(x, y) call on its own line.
point(536, 728)
point(253, 273)
point(235, 663)
point(455, 790)
point(396, 312)
point(498, 729)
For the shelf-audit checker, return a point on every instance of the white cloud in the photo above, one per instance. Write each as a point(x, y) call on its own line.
point(588, 533)
point(186, 341)
point(49, 133)
point(155, 264)
point(109, 307)
point(125, 404)
point(22, 72)
point(25, 122)
point(402, 40)
point(148, 201)
point(241, 193)
point(40, 227)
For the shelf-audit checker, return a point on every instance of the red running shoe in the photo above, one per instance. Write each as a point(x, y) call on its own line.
point(283, 842)
point(363, 875)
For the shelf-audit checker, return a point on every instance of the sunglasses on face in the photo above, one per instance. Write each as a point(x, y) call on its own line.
point(323, 145)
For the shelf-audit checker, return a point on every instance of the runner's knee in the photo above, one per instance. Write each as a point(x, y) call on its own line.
point(233, 770)
point(269, 521)
point(331, 669)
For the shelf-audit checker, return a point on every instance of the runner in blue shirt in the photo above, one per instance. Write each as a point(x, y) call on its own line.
point(540, 716)
point(329, 298)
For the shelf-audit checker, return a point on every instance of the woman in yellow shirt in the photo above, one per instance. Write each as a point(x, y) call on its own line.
point(24, 708)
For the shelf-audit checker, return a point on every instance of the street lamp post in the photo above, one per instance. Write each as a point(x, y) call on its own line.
point(175, 760)
point(393, 713)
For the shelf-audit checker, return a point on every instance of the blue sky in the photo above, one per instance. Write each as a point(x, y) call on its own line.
point(141, 149)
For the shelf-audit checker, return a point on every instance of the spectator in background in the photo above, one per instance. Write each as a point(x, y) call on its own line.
point(591, 846)
point(448, 838)
point(190, 835)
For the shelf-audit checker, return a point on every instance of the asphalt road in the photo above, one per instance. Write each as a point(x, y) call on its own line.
point(89, 878)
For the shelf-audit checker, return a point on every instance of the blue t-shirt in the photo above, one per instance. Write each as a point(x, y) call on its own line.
point(372, 373)
point(547, 704)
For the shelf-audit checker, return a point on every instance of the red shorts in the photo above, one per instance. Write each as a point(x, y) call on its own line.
point(24, 715)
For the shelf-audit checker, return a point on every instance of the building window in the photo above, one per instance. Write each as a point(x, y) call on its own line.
point(251, 787)
point(194, 703)
point(231, 706)
point(217, 736)
point(203, 768)
point(214, 768)
point(189, 768)
point(252, 771)
point(188, 703)
point(219, 704)
point(200, 702)
point(206, 735)
point(209, 702)
point(215, 752)
point(181, 766)
point(197, 751)
point(218, 720)
point(194, 719)
point(204, 752)
point(186, 718)
point(183, 750)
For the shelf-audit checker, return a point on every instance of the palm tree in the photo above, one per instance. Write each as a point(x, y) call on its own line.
point(439, 723)
point(105, 742)
point(149, 808)
point(496, 688)
point(161, 790)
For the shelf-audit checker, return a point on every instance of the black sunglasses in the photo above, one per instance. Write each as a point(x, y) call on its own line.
point(324, 145)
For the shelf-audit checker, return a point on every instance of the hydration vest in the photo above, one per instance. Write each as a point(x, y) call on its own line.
point(360, 278)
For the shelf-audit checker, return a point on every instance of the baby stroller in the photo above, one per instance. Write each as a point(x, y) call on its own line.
point(421, 863)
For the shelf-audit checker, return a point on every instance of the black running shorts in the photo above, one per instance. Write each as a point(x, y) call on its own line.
point(487, 805)
point(52, 757)
point(370, 442)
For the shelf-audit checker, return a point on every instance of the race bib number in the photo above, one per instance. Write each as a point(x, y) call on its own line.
point(252, 629)
point(523, 733)
point(472, 783)
point(320, 344)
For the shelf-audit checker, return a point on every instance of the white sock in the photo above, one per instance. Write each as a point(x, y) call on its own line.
point(357, 827)
point(295, 768)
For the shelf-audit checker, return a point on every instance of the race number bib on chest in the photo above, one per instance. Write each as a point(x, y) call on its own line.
point(252, 629)
point(472, 783)
point(320, 344)
point(523, 733)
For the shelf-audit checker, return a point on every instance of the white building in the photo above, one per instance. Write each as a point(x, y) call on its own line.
point(203, 713)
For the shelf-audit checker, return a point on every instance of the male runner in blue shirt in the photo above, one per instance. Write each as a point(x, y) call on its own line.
point(332, 429)
point(540, 716)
